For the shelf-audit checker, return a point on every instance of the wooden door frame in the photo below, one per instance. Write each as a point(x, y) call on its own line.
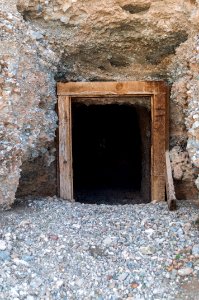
point(158, 93)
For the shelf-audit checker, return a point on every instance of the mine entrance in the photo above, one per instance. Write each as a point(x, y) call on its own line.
point(111, 167)
point(107, 153)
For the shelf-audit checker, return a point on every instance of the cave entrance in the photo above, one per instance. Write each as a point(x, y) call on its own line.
point(112, 141)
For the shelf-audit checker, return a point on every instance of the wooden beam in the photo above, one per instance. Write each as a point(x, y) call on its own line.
point(158, 131)
point(65, 148)
point(171, 197)
point(91, 89)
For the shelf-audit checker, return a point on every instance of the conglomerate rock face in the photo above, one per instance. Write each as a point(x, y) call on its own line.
point(27, 90)
point(44, 41)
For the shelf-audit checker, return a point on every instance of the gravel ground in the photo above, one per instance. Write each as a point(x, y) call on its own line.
point(51, 249)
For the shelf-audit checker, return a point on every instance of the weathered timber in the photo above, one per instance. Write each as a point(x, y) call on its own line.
point(91, 89)
point(158, 111)
point(65, 148)
point(157, 92)
point(171, 197)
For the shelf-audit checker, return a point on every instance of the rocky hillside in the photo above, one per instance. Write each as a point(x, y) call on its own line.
point(45, 41)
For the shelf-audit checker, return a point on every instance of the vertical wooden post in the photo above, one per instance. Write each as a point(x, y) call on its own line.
point(159, 139)
point(171, 197)
point(65, 148)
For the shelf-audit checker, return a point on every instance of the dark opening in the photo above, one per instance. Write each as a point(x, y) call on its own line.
point(107, 153)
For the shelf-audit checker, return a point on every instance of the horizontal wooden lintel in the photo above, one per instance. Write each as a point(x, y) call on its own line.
point(92, 89)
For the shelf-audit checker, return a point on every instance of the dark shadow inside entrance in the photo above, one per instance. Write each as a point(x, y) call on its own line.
point(108, 154)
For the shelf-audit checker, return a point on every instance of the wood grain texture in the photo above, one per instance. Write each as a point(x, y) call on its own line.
point(90, 89)
point(159, 132)
point(171, 197)
point(65, 148)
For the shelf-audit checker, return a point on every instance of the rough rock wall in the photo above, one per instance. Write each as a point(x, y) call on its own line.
point(117, 39)
point(27, 99)
point(44, 41)
point(185, 109)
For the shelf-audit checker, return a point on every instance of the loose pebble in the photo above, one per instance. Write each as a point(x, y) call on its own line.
point(2, 245)
point(185, 271)
point(195, 250)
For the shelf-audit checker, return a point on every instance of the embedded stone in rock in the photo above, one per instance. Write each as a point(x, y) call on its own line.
point(119, 61)
point(135, 9)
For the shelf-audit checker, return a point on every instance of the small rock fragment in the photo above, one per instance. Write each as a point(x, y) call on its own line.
point(195, 249)
point(24, 223)
point(79, 282)
point(123, 276)
point(148, 250)
point(29, 297)
point(134, 285)
point(107, 241)
point(53, 237)
point(4, 255)
point(2, 245)
point(59, 283)
point(185, 271)
point(187, 227)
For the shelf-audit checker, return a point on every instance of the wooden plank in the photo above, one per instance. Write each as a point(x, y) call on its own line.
point(171, 197)
point(90, 89)
point(158, 188)
point(167, 118)
point(71, 148)
point(65, 148)
point(158, 129)
point(57, 154)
